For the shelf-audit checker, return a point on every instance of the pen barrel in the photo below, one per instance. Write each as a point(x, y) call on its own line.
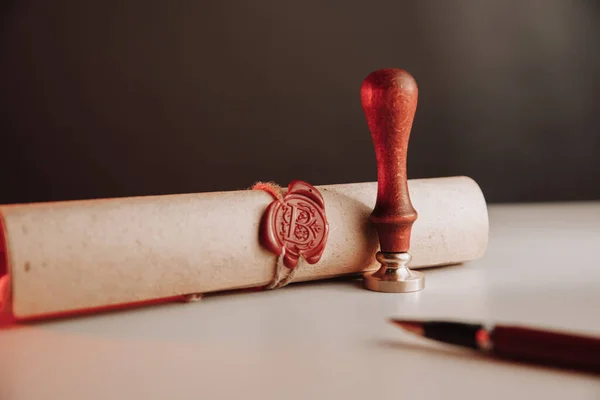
point(546, 347)
point(455, 333)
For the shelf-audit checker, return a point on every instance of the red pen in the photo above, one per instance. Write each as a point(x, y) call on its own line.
point(517, 343)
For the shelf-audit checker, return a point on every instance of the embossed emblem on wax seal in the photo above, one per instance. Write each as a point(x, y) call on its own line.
point(297, 225)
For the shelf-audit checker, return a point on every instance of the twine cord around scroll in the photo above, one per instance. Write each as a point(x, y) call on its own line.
point(294, 227)
point(283, 275)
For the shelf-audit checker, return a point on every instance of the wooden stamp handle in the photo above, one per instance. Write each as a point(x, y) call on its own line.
point(389, 100)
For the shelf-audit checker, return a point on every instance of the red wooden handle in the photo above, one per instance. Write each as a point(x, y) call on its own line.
point(389, 100)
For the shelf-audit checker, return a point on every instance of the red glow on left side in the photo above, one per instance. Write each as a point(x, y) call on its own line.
point(3, 266)
point(6, 317)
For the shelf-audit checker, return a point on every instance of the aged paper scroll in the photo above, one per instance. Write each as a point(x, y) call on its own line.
point(69, 256)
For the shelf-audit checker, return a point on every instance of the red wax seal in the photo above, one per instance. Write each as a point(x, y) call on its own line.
point(296, 226)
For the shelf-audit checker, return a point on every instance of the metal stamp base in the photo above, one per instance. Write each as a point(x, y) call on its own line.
point(394, 276)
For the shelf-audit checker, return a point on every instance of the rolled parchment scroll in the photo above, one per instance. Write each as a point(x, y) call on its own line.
point(73, 256)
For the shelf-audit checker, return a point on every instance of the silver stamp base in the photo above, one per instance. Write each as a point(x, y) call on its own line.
point(394, 276)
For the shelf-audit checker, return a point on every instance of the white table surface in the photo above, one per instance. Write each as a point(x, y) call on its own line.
point(330, 339)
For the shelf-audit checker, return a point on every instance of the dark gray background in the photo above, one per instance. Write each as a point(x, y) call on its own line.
point(121, 98)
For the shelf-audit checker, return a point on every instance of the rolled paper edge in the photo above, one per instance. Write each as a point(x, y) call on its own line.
point(486, 220)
